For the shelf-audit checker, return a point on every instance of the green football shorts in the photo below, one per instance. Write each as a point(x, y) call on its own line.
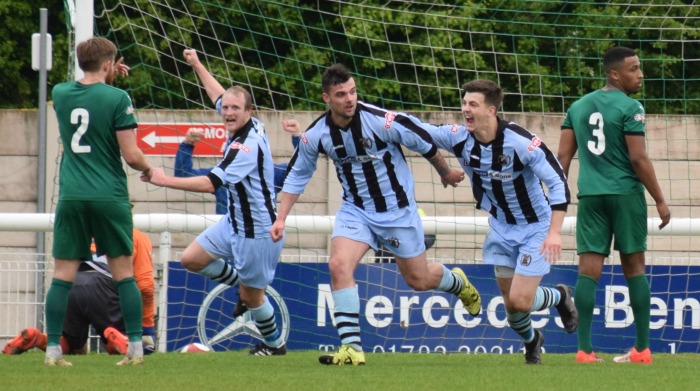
point(109, 223)
point(604, 217)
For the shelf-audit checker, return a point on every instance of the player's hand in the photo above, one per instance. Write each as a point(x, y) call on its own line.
point(190, 56)
point(193, 135)
point(551, 247)
point(120, 68)
point(277, 230)
point(291, 126)
point(452, 178)
point(156, 177)
point(664, 214)
point(146, 174)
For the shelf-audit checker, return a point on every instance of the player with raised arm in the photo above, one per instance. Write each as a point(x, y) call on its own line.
point(507, 166)
point(614, 170)
point(378, 207)
point(96, 122)
point(243, 235)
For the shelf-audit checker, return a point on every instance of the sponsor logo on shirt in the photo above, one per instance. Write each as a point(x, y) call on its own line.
point(304, 139)
point(130, 110)
point(493, 174)
point(357, 159)
point(534, 144)
point(389, 117)
point(240, 146)
point(639, 117)
point(499, 175)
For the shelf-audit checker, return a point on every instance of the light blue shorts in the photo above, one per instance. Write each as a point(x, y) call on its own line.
point(517, 247)
point(398, 231)
point(255, 259)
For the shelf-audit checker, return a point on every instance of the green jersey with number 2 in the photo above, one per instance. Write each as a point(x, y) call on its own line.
point(89, 117)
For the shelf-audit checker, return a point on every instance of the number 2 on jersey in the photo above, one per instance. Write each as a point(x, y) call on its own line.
point(79, 117)
point(597, 148)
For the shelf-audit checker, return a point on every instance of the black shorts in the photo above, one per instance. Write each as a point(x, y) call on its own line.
point(92, 300)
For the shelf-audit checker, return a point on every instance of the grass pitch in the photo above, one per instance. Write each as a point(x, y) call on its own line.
point(386, 372)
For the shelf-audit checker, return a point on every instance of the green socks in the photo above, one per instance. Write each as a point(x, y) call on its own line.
point(56, 303)
point(584, 298)
point(640, 301)
point(132, 307)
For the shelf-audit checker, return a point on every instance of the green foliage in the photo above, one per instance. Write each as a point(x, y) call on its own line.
point(18, 81)
point(405, 55)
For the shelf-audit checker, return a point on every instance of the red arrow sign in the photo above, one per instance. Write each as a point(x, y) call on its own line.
point(162, 139)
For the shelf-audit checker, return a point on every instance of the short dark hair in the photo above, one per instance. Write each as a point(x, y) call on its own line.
point(493, 94)
point(614, 56)
point(93, 52)
point(334, 75)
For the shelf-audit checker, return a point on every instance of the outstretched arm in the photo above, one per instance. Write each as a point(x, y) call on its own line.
point(213, 88)
point(200, 184)
point(448, 176)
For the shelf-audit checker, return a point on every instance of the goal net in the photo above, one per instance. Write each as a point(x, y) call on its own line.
point(411, 56)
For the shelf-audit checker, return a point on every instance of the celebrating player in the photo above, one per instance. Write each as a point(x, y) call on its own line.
point(247, 172)
point(378, 207)
point(506, 164)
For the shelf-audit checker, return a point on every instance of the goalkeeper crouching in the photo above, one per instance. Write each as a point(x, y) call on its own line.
point(94, 300)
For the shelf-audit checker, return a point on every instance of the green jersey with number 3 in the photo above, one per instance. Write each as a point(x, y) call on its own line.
point(89, 117)
point(600, 121)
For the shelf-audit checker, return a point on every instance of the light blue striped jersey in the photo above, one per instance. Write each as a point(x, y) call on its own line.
point(507, 174)
point(367, 155)
point(247, 171)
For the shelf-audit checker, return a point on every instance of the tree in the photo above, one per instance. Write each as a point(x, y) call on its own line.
point(17, 78)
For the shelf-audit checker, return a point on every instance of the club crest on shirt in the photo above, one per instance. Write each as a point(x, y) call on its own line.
point(303, 138)
point(504, 160)
point(239, 146)
point(130, 110)
point(366, 142)
point(525, 260)
point(394, 242)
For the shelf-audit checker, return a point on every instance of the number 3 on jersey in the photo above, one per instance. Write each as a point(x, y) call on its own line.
point(597, 148)
point(79, 117)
